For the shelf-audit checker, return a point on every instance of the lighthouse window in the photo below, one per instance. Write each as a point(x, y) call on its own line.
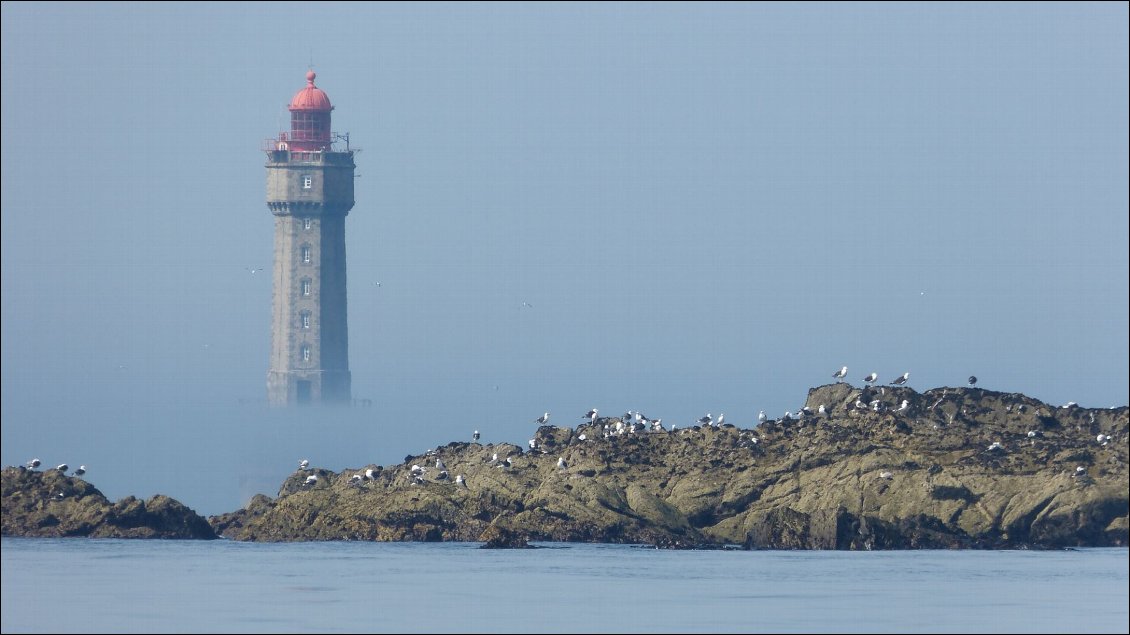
point(306, 286)
point(307, 223)
point(307, 181)
point(305, 352)
point(306, 253)
point(305, 319)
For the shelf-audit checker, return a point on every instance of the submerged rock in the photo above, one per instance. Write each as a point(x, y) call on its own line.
point(51, 504)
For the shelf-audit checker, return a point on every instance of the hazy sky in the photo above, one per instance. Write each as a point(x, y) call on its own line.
point(708, 208)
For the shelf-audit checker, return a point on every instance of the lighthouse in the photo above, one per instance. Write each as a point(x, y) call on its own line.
point(309, 193)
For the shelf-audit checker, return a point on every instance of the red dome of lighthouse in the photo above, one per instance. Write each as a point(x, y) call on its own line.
point(311, 97)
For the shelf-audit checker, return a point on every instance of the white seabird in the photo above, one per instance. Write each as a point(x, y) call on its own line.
point(533, 444)
point(439, 464)
point(34, 463)
point(442, 476)
point(542, 419)
point(590, 415)
point(475, 436)
point(310, 480)
point(79, 471)
point(561, 464)
point(901, 380)
point(972, 380)
point(62, 467)
point(761, 418)
point(870, 379)
point(721, 418)
point(1080, 471)
point(840, 374)
point(1032, 434)
point(370, 474)
point(416, 469)
point(303, 464)
point(459, 480)
point(822, 410)
point(356, 479)
point(494, 458)
point(582, 437)
point(995, 446)
point(886, 475)
point(1102, 438)
point(1069, 404)
point(706, 420)
point(904, 406)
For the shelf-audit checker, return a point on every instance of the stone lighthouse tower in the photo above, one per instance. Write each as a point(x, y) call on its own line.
point(309, 192)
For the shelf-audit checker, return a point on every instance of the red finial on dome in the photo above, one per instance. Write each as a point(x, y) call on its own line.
point(311, 97)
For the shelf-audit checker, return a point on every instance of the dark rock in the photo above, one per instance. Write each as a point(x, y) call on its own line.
point(51, 504)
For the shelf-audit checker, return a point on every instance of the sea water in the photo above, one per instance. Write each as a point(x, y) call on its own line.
point(83, 585)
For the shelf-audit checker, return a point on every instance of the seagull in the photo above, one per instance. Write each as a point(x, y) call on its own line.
point(561, 464)
point(254, 269)
point(79, 471)
point(62, 467)
point(310, 480)
point(840, 374)
point(721, 418)
point(533, 444)
point(904, 406)
point(34, 463)
point(707, 420)
point(439, 464)
point(972, 380)
point(303, 464)
point(870, 379)
point(901, 380)
point(371, 474)
point(1069, 404)
point(376, 284)
point(1080, 471)
point(356, 479)
point(527, 305)
point(788, 416)
point(475, 436)
point(995, 446)
point(590, 415)
point(508, 463)
point(442, 476)
point(1032, 434)
point(459, 480)
point(886, 475)
point(582, 437)
point(761, 418)
point(494, 458)
point(822, 410)
point(542, 419)
point(1102, 438)
point(416, 469)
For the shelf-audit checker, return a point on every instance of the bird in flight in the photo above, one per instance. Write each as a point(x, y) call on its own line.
point(542, 419)
point(527, 305)
point(254, 269)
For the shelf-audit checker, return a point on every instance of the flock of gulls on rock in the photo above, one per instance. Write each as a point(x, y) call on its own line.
point(633, 422)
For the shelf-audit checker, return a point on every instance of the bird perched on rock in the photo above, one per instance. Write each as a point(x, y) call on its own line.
point(901, 380)
point(870, 379)
point(34, 463)
point(310, 480)
point(79, 471)
point(62, 467)
point(542, 419)
point(840, 374)
point(761, 418)
point(459, 481)
point(475, 436)
point(304, 464)
point(561, 464)
point(972, 380)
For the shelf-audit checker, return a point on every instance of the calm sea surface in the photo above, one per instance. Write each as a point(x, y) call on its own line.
point(81, 585)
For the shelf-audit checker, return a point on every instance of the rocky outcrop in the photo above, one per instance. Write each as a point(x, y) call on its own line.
point(52, 504)
point(952, 468)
